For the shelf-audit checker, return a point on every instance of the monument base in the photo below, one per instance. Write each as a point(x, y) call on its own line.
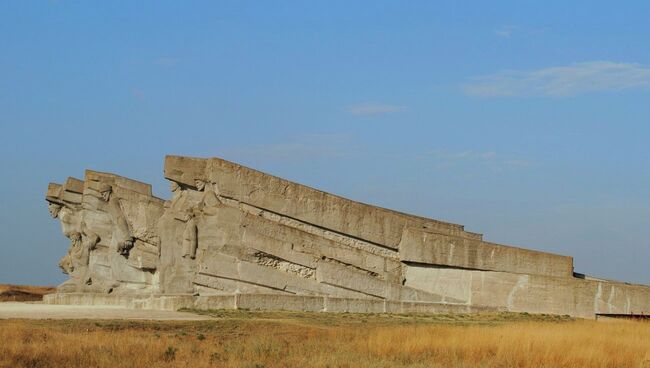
point(261, 302)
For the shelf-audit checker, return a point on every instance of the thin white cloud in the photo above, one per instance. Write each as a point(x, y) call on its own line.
point(137, 93)
point(300, 148)
point(562, 81)
point(505, 31)
point(371, 108)
point(166, 62)
point(444, 159)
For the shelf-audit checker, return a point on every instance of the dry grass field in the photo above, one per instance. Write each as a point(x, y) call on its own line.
point(283, 339)
point(19, 293)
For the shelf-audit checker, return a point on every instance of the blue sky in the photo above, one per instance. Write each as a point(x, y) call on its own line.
point(526, 121)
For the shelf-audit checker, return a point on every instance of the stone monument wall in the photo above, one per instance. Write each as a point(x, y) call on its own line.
point(233, 237)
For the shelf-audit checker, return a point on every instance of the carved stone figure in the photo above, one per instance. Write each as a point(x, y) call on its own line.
point(111, 222)
point(54, 209)
point(78, 253)
point(105, 191)
point(199, 184)
point(190, 237)
point(175, 189)
point(121, 230)
point(230, 231)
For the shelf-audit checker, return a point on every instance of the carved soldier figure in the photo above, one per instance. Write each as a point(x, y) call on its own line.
point(75, 262)
point(54, 209)
point(102, 216)
point(190, 237)
point(79, 254)
point(122, 233)
point(209, 201)
point(175, 189)
point(206, 207)
point(89, 238)
point(71, 228)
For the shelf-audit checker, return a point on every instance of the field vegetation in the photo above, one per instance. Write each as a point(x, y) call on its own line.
point(283, 339)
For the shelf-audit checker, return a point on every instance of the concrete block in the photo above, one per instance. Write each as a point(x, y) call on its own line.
point(281, 302)
point(424, 247)
point(74, 185)
point(53, 191)
point(216, 302)
point(347, 305)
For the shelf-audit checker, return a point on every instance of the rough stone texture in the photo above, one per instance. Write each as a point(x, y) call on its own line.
point(531, 293)
point(233, 237)
point(111, 222)
point(425, 247)
point(260, 302)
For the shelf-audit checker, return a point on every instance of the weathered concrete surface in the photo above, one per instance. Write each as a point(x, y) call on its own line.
point(531, 293)
point(297, 201)
point(48, 311)
point(110, 221)
point(260, 301)
point(233, 237)
point(421, 246)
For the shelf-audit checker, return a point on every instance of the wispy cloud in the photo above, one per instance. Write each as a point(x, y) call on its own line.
point(335, 147)
point(505, 31)
point(562, 81)
point(137, 93)
point(166, 62)
point(300, 148)
point(445, 159)
point(372, 108)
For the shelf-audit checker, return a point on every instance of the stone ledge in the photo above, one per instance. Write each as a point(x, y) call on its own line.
point(261, 302)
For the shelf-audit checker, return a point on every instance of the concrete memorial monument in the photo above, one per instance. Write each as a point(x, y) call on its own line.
point(233, 237)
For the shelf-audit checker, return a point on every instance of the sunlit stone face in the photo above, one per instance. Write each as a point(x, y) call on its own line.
point(173, 186)
point(199, 184)
point(54, 209)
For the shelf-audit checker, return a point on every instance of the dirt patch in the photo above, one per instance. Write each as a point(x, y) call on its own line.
point(17, 295)
point(23, 293)
point(25, 310)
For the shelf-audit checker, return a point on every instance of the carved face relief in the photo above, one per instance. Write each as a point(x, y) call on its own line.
point(174, 187)
point(54, 209)
point(75, 238)
point(199, 184)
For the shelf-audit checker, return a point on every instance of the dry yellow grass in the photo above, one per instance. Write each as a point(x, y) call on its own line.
point(322, 340)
